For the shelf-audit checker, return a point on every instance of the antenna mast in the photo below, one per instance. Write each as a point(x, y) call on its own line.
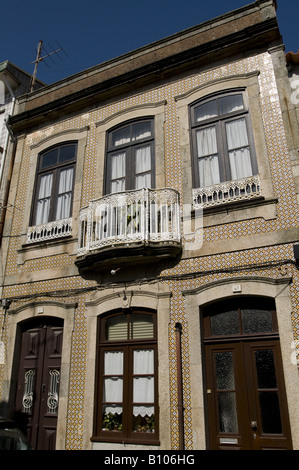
point(38, 59)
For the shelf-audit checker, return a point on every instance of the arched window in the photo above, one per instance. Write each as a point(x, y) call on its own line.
point(222, 144)
point(126, 403)
point(54, 184)
point(130, 156)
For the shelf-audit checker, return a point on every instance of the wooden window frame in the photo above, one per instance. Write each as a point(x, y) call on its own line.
point(126, 435)
point(219, 123)
point(238, 304)
point(129, 148)
point(55, 170)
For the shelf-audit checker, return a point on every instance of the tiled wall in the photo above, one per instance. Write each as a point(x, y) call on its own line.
point(209, 267)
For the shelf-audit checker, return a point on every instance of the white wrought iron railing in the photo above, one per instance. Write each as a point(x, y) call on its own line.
point(50, 230)
point(230, 191)
point(130, 217)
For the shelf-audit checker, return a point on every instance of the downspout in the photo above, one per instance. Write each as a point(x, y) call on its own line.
point(178, 332)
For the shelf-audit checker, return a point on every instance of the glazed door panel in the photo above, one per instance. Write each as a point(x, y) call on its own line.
point(38, 384)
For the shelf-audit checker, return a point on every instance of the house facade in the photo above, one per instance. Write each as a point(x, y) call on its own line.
point(150, 294)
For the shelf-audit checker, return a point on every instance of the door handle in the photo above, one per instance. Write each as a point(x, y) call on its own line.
point(43, 387)
point(253, 425)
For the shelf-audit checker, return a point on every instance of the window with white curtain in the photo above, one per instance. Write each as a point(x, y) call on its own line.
point(222, 143)
point(127, 409)
point(54, 184)
point(130, 157)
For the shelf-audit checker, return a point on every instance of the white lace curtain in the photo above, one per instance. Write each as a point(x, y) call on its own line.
point(143, 384)
point(44, 199)
point(238, 152)
point(238, 149)
point(118, 172)
point(142, 157)
point(63, 199)
point(143, 167)
point(63, 209)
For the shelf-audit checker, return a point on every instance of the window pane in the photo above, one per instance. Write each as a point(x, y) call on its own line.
point(44, 199)
point(113, 389)
point(67, 152)
point(225, 323)
point(143, 419)
point(270, 413)
point(143, 167)
point(240, 164)
point(239, 154)
point(265, 368)
point(227, 408)
point(142, 326)
point(118, 172)
point(143, 159)
point(113, 362)
point(121, 137)
point(236, 132)
point(116, 328)
point(112, 418)
point(208, 169)
point(143, 390)
point(206, 111)
point(64, 194)
point(49, 158)
point(141, 131)
point(118, 165)
point(225, 371)
point(143, 181)
point(143, 360)
point(256, 321)
point(230, 104)
point(206, 142)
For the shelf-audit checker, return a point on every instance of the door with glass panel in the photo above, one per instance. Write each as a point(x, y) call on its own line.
point(245, 394)
point(38, 384)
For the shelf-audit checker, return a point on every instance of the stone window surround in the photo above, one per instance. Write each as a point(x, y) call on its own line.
point(156, 298)
point(36, 250)
point(249, 82)
point(154, 110)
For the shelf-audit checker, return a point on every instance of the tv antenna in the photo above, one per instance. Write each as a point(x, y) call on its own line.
point(40, 58)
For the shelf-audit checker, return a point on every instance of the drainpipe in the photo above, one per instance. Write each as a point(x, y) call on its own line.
point(178, 333)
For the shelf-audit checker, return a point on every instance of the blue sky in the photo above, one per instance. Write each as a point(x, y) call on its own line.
point(93, 31)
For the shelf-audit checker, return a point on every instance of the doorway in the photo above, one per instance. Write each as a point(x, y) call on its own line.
point(246, 405)
point(38, 384)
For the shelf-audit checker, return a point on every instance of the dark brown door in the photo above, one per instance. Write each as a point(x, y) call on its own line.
point(245, 392)
point(39, 380)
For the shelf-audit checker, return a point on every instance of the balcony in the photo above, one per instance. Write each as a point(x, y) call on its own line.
point(228, 192)
point(138, 225)
point(50, 231)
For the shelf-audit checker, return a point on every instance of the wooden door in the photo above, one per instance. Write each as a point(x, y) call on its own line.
point(245, 393)
point(38, 382)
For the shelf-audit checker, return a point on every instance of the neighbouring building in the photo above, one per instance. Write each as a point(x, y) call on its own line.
point(13, 83)
point(150, 293)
